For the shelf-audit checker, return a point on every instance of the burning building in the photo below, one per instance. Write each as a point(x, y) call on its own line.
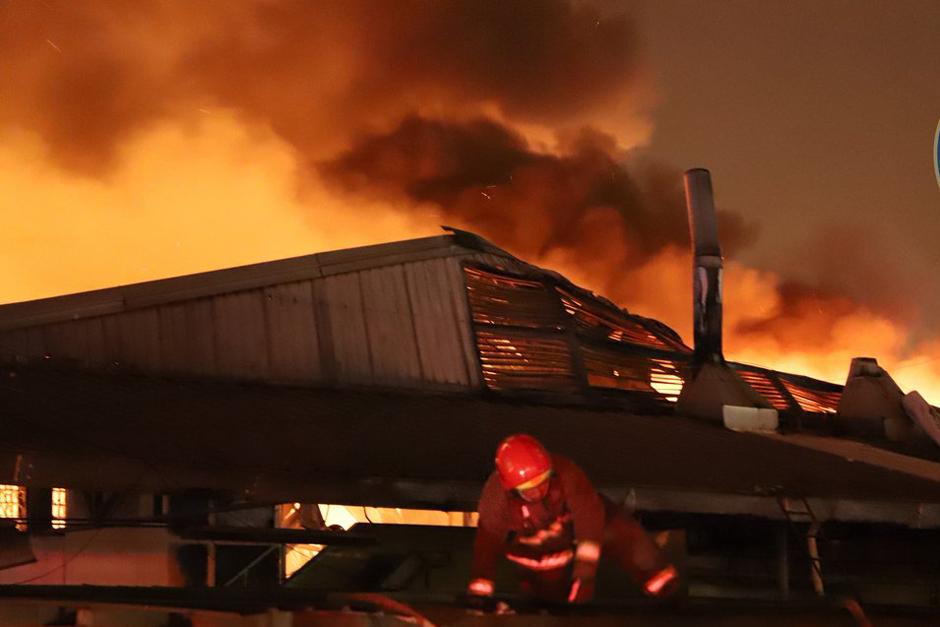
point(150, 431)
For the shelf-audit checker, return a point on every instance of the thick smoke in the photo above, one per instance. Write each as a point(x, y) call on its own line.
point(576, 201)
point(84, 75)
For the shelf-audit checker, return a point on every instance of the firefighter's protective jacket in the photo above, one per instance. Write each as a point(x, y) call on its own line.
point(566, 526)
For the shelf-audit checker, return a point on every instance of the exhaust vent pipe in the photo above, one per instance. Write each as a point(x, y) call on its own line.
point(716, 392)
point(706, 267)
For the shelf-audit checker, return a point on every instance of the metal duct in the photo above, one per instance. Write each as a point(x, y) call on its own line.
point(706, 266)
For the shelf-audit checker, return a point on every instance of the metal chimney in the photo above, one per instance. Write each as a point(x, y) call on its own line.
point(706, 266)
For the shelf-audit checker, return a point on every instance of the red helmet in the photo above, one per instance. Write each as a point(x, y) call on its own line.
point(521, 459)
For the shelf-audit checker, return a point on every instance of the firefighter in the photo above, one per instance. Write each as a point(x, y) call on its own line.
point(541, 512)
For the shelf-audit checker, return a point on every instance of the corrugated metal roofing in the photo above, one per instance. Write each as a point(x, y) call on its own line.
point(522, 329)
point(129, 297)
point(534, 329)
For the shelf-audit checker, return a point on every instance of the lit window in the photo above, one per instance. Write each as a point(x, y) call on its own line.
point(59, 508)
point(13, 503)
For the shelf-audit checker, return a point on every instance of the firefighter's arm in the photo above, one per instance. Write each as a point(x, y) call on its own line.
point(490, 541)
point(587, 513)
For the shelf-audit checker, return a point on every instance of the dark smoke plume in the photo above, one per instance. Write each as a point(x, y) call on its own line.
point(85, 75)
point(483, 175)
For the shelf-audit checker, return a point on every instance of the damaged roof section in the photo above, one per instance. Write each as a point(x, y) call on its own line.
point(535, 332)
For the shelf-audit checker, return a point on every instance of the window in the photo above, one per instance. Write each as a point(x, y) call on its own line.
point(59, 508)
point(13, 504)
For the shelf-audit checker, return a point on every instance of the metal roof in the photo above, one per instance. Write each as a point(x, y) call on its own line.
point(138, 295)
point(604, 348)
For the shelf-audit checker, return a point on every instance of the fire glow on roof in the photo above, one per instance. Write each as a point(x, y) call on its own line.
point(537, 335)
point(542, 334)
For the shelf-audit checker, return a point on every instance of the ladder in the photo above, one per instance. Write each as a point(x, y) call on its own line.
point(798, 511)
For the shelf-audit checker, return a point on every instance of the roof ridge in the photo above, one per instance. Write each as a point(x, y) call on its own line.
point(114, 299)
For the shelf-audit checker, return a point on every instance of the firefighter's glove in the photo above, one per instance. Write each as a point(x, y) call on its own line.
point(663, 583)
point(586, 557)
point(582, 591)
